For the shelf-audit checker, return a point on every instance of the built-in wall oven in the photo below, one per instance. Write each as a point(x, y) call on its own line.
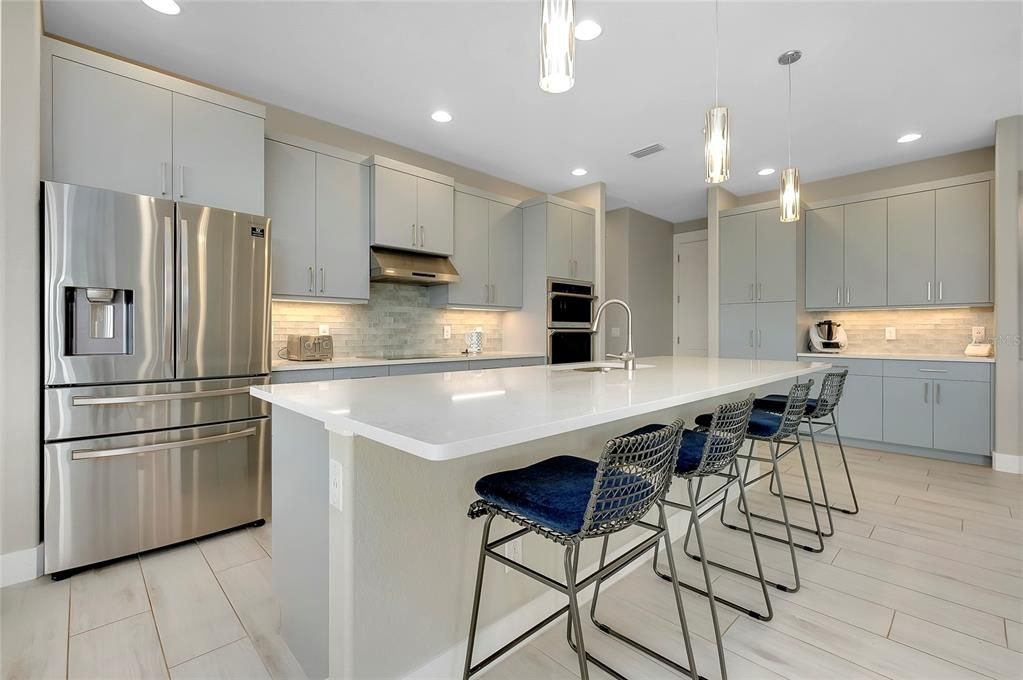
point(569, 318)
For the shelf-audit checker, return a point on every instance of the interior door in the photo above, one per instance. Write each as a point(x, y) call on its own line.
point(866, 261)
point(291, 204)
point(505, 254)
point(911, 249)
point(691, 297)
point(472, 251)
point(342, 228)
point(436, 217)
point(738, 258)
point(109, 131)
point(777, 246)
point(218, 156)
point(825, 276)
point(223, 293)
point(394, 209)
point(584, 245)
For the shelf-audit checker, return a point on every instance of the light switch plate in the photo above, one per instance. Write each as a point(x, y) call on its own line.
point(447, 332)
point(335, 484)
point(324, 329)
point(889, 333)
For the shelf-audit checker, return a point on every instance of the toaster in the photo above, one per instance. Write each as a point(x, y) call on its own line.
point(310, 347)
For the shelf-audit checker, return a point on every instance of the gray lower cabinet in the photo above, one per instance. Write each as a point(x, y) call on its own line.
point(860, 408)
point(776, 334)
point(428, 367)
point(908, 413)
point(484, 364)
point(737, 331)
point(301, 375)
point(962, 416)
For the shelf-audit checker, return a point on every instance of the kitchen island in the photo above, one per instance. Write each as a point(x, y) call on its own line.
point(374, 557)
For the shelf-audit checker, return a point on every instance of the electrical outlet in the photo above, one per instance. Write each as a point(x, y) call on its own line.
point(889, 333)
point(324, 329)
point(977, 333)
point(513, 551)
point(335, 484)
point(447, 332)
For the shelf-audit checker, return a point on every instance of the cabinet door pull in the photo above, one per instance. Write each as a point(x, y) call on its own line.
point(760, 338)
point(181, 181)
point(323, 280)
point(848, 296)
point(163, 179)
point(760, 291)
point(493, 293)
point(414, 242)
point(310, 279)
point(422, 236)
point(838, 293)
point(937, 393)
point(941, 290)
point(751, 291)
point(751, 337)
point(928, 291)
point(927, 391)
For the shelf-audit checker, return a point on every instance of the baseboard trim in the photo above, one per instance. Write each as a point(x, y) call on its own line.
point(936, 454)
point(21, 566)
point(1007, 462)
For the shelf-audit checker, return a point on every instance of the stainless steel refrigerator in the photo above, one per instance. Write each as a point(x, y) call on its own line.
point(156, 322)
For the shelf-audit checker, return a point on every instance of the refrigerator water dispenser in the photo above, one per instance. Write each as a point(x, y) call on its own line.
point(98, 321)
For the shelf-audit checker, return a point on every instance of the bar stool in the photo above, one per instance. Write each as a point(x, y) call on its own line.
point(568, 500)
point(703, 455)
point(775, 429)
point(817, 412)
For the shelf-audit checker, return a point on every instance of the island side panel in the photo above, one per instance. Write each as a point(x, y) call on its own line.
point(414, 552)
point(300, 536)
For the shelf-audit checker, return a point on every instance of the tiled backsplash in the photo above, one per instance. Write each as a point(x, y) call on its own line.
point(397, 318)
point(917, 331)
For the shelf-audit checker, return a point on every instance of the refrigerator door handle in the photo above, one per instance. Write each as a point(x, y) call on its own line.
point(140, 398)
point(168, 292)
point(86, 454)
point(184, 293)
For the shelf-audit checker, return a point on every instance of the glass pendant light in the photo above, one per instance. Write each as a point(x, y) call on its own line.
point(789, 196)
point(557, 45)
point(717, 153)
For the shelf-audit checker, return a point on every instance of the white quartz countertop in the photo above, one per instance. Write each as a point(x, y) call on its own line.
point(443, 416)
point(353, 362)
point(824, 356)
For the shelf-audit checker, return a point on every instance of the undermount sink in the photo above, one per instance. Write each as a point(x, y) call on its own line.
point(601, 367)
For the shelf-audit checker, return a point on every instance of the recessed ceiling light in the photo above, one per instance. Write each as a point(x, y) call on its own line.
point(441, 116)
point(909, 137)
point(765, 172)
point(579, 172)
point(587, 29)
point(163, 6)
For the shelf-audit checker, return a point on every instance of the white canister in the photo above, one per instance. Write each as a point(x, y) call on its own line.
point(474, 341)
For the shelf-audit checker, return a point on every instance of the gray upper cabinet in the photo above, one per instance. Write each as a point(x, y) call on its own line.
point(505, 255)
point(218, 156)
point(395, 209)
point(865, 261)
point(412, 212)
point(584, 245)
point(291, 206)
point(96, 144)
point(488, 255)
point(319, 210)
point(559, 242)
point(963, 244)
point(777, 246)
point(911, 249)
point(738, 261)
point(342, 228)
point(825, 257)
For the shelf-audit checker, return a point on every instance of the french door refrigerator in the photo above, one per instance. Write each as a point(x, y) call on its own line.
point(156, 323)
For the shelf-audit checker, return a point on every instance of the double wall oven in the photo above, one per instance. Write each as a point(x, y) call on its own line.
point(569, 319)
point(156, 321)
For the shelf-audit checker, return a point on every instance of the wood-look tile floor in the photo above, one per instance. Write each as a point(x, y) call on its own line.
point(925, 582)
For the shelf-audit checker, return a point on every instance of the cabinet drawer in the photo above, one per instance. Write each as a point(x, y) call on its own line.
point(857, 366)
point(483, 364)
point(938, 370)
point(430, 367)
point(360, 372)
point(301, 375)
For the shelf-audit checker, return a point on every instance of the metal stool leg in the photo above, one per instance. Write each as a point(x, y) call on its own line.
point(476, 597)
point(824, 486)
point(571, 564)
point(845, 464)
point(706, 577)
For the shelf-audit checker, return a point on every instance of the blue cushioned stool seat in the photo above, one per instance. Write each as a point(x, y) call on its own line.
point(775, 403)
point(761, 423)
point(690, 451)
point(553, 493)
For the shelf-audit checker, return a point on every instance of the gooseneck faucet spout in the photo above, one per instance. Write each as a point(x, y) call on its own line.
point(628, 356)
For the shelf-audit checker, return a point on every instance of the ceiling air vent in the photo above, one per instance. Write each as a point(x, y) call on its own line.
point(647, 150)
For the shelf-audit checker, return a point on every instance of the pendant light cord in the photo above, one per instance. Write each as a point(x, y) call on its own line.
point(789, 71)
point(717, 41)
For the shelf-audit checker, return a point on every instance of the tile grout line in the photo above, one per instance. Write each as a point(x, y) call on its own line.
point(152, 613)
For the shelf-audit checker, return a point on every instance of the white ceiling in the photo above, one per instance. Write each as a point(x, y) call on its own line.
point(871, 71)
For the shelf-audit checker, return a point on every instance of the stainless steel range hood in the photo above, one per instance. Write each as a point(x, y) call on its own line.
point(400, 266)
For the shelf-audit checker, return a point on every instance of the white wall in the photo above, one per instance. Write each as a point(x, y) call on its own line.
point(20, 30)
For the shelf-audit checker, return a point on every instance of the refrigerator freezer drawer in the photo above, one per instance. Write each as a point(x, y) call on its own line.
point(115, 496)
point(76, 412)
